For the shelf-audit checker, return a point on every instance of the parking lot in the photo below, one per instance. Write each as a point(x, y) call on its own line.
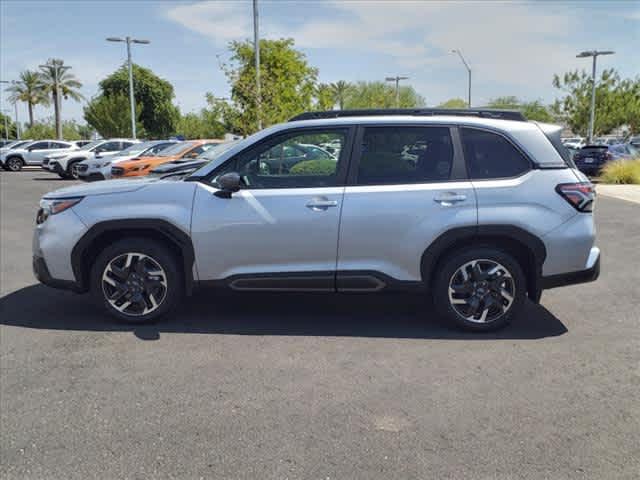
point(317, 386)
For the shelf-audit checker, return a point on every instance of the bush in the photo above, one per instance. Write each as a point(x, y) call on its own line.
point(314, 167)
point(622, 171)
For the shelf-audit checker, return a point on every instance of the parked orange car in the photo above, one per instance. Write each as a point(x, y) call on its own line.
point(139, 167)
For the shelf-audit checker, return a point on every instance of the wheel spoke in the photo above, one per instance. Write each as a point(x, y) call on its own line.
point(483, 317)
point(506, 295)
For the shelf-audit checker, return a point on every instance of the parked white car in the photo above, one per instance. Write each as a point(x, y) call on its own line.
point(99, 167)
point(33, 153)
point(64, 163)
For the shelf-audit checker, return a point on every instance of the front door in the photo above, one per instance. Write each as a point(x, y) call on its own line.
point(280, 231)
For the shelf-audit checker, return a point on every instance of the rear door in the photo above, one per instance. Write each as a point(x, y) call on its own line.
point(36, 153)
point(407, 185)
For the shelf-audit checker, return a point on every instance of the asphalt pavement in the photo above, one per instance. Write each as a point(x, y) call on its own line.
point(317, 386)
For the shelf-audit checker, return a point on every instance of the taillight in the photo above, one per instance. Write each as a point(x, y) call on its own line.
point(580, 195)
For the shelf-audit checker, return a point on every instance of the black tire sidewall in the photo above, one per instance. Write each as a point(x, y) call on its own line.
point(454, 261)
point(69, 172)
point(15, 160)
point(161, 254)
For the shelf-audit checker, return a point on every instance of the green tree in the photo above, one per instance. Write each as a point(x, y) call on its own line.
point(56, 73)
point(287, 84)
point(531, 110)
point(47, 129)
point(28, 89)
point(341, 90)
point(325, 97)
point(110, 115)
point(454, 103)
point(153, 95)
point(204, 124)
point(381, 95)
point(10, 131)
point(616, 101)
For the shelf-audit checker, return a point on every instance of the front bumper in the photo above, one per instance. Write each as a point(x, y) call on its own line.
point(42, 274)
point(55, 167)
point(589, 274)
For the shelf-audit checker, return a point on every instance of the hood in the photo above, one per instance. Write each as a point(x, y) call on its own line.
point(100, 188)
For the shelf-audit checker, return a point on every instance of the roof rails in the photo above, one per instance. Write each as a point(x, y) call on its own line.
point(418, 112)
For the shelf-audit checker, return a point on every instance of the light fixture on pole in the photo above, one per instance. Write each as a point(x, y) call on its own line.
point(397, 79)
point(256, 46)
point(594, 54)
point(466, 65)
point(129, 41)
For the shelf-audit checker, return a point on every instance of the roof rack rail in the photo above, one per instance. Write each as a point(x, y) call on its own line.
point(419, 112)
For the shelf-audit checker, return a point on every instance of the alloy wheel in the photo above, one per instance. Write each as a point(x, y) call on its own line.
point(481, 291)
point(134, 284)
point(14, 164)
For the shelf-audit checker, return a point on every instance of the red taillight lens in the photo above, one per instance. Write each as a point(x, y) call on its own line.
point(580, 195)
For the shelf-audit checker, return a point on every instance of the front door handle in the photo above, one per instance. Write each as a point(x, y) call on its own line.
point(448, 199)
point(321, 203)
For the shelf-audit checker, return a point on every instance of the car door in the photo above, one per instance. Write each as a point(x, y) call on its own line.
point(280, 231)
point(36, 153)
point(397, 203)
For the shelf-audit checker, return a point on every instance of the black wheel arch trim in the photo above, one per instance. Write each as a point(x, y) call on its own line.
point(167, 230)
point(458, 237)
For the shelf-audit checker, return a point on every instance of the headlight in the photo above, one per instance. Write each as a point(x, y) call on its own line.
point(52, 206)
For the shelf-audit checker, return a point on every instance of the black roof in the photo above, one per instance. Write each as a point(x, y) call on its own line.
point(418, 112)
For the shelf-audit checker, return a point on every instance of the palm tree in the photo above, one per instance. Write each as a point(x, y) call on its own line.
point(340, 91)
point(28, 89)
point(56, 74)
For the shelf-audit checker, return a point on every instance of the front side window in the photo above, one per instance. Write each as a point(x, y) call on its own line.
point(403, 155)
point(39, 146)
point(490, 155)
point(290, 161)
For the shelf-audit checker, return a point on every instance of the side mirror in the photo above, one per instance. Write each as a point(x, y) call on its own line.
point(229, 183)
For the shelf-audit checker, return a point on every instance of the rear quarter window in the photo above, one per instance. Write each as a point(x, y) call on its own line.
point(489, 155)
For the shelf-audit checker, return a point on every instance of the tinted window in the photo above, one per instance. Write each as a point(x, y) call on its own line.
point(287, 162)
point(109, 147)
point(490, 155)
point(59, 145)
point(124, 145)
point(396, 155)
point(39, 146)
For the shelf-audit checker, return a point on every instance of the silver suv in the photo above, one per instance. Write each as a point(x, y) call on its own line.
point(480, 208)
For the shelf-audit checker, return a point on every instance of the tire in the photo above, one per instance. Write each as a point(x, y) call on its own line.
point(139, 271)
point(71, 172)
point(14, 164)
point(484, 301)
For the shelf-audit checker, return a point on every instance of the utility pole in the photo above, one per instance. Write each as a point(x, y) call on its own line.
point(256, 46)
point(128, 40)
point(592, 115)
point(397, 79)
point(466, 65)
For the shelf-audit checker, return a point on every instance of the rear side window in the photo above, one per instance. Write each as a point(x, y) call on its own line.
point(490, 155)
point(404, 155)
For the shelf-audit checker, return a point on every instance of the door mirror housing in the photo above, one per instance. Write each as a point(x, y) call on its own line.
point(228, 183)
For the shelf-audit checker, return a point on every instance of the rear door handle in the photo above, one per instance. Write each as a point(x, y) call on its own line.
point(320, 204)
point(449, 198)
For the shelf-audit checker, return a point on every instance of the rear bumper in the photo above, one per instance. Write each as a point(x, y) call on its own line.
point(589, 274)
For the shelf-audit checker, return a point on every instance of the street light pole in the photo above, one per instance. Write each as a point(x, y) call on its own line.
point(256, 46)
point(397, 79)
point(466, 65)
point(592, 112)
point(128, 40)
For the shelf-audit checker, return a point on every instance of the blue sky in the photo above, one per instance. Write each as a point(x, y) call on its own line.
point(513, 47)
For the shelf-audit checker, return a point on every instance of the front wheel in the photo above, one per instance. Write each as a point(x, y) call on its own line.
point(14, 164)
point(480, 289)
point(137, 280)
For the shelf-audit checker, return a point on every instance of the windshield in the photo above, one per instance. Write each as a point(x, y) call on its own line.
point(177, 149)
point(135, 149)
point(89, 146)
point(215, 151)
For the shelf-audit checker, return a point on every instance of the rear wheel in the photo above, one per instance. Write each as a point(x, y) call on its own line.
point(14, 164)
point(480, 289)
point(137, 280)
